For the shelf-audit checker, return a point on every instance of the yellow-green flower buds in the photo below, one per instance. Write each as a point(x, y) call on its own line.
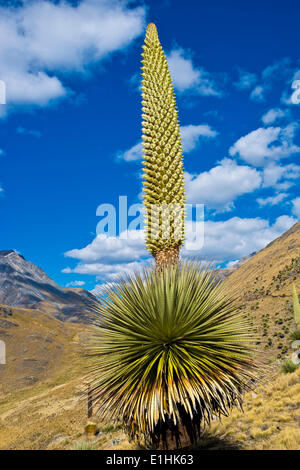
point(164, 194)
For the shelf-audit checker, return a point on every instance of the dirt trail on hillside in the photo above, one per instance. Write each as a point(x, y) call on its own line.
point(34, 400)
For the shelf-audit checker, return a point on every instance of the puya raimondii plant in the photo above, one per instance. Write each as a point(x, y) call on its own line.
point(170, 348)
point(164, 192)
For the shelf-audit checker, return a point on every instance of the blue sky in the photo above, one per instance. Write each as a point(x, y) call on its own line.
point(70, 129)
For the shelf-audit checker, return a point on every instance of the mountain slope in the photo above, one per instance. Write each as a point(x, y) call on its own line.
point(264, 285)
point(22, 284)
point(41, 384)
point(38, 346)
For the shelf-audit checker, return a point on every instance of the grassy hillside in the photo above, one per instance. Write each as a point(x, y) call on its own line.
point(42, 377)
point(53, 417)
point(41, 386)
point(264, 285)
point(270, 420)
point(38, 346)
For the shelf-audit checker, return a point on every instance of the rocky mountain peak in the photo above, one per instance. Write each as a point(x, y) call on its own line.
point(23, 284)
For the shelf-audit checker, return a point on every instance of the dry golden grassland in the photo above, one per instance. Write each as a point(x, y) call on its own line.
point(38, 347)
point(264, 287)
point(53, 417)
point(271, 418)
point(41, 386)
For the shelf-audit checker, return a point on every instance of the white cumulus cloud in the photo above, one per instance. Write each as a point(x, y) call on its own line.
point(192, 134)
point(224, 241)
point(132, 154)
point(220, 186)
point(280, 176)
point(233, 238)
point(257, 94)
point(272, 74)
point(75, 284)
point(106, 272)
point(41, 40)
point(108, 257)
point(273, 115)
point(127, 246)
point(246, 80)
point(272, 200)
point(191, 137)
point(187, 77)
point(266, 144)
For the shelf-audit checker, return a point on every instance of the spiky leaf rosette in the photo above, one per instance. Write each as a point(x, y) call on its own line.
point(164, 194)
point(170, 350)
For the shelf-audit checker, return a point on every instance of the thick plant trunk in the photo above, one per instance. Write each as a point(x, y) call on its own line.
point(170, 436)
point(166, 256)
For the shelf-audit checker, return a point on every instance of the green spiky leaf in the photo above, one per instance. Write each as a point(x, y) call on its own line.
point(169, 345)
point(164, 193)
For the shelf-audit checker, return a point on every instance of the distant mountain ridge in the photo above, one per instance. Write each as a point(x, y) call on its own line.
point(237, 264)
point(23, 284)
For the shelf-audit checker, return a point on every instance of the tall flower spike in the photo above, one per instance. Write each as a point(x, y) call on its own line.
point(163, 187)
